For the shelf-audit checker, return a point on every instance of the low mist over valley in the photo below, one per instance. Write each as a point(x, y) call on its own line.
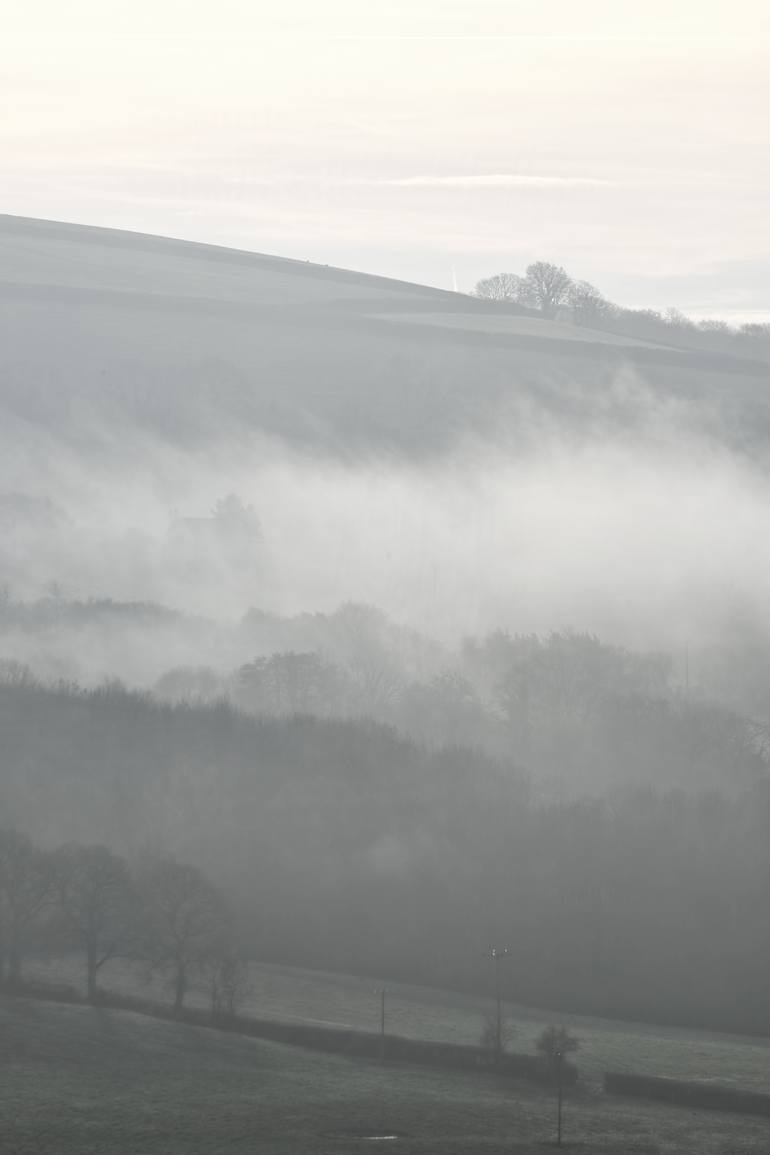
point(372, 599)
point(384, 613)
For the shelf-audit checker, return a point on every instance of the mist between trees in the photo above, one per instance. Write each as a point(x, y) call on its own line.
point(580, 715)
point(344, 844)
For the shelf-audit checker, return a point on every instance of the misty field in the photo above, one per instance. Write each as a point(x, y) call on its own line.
point(80, 1079)
point(513, 325)
point(293, 994)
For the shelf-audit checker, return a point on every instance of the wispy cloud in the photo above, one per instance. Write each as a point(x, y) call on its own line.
point(492, 180)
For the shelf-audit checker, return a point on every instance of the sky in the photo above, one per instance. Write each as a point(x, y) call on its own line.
point(430, 140)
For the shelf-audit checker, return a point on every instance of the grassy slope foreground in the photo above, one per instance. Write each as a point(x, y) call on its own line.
point(292, 994)
point(79, 1079)
point(427, 1013)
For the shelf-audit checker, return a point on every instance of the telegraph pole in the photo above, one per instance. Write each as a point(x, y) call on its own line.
point(498, 953)
point(557, 1059)
point(382, 992)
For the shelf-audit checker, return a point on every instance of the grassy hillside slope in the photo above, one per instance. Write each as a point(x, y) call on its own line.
point(193, 341)
point(79, 1080)
point(324, 998)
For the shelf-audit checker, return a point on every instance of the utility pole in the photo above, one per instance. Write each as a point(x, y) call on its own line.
point(557, 1058)
point(497, 953)
point(382, 992)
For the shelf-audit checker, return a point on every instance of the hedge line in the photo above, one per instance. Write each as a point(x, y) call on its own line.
point(368, 1044)
point(708, 1096)
point(355, 1044)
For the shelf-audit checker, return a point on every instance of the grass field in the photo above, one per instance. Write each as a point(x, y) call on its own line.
point(293, 994)
point(526, 326)
point(83, 1080)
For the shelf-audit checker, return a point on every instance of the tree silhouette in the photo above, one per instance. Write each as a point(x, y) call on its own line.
point(501, 287)
point(95, 900)
point(185, 921)
point(546, 286)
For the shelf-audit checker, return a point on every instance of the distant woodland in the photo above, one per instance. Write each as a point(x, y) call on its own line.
point(340, 842)
point(551, 737)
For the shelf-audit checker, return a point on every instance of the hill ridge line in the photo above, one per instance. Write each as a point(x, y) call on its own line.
point(180, 246)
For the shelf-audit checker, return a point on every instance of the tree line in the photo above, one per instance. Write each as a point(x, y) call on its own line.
point(87, 899)
point(550, 290)
point(577, 713)
point(342, 844)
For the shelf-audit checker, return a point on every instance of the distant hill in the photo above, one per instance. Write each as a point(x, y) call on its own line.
point(193, 341)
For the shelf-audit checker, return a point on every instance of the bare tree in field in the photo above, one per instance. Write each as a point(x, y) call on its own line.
point(501, 287)
point(228, 981)
point(555, 1043)
point(25, 890)
point(546, 286)
point(185, 923)
point(96, 904)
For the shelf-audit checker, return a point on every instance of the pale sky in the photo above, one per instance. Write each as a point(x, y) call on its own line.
point(629, 141)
